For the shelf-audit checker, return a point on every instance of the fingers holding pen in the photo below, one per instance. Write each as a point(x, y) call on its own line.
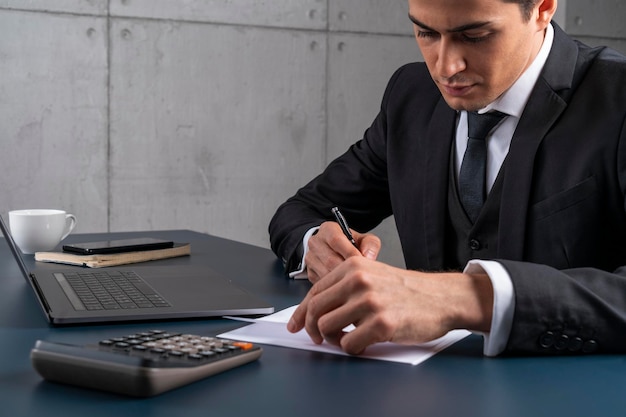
point(330, 245)
point(369, 245)
point(326, 250)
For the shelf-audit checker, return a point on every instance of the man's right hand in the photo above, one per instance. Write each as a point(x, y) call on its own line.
point(329, 247)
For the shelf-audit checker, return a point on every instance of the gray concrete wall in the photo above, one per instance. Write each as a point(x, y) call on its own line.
point(200, 114)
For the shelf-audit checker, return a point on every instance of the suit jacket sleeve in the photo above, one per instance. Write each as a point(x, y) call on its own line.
point(570, 282)
point(579, 310)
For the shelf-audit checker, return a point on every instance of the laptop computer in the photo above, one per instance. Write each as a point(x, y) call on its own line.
point(140, 292)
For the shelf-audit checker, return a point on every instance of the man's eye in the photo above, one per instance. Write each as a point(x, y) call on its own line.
point(475, 38)
point(425, 34)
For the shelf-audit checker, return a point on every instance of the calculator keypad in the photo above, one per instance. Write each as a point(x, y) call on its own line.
point(161, 345)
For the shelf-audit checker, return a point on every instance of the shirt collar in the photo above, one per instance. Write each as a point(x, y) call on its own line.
point(513, 100)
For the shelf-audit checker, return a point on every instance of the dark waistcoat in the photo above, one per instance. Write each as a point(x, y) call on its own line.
point(464, 240)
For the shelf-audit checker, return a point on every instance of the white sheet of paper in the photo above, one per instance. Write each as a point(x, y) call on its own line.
point(272, 330)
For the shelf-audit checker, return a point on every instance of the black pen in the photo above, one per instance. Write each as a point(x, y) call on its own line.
point(343, 224)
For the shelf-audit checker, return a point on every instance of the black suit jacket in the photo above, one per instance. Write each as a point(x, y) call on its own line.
point(562, 224)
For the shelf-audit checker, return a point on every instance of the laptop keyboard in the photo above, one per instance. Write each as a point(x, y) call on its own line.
point(109, 290)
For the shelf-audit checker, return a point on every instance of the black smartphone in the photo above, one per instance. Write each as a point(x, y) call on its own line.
point(118, 246)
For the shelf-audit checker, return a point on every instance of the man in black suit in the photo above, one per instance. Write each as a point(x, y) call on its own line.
point(532, 256)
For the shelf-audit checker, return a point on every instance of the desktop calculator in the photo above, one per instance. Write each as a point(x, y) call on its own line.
point(143, 364)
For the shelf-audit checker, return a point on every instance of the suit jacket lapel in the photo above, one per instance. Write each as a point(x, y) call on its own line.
point(544, 106)
point(440, 136)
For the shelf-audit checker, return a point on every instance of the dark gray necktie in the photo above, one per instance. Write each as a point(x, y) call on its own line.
point(472, 187)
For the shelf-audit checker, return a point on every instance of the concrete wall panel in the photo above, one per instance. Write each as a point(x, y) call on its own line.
point(358, 70)
point(54, 115)
point(212, 127)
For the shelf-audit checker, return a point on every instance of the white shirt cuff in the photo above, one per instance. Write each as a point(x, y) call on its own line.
point(301, 273)
point(503, 305)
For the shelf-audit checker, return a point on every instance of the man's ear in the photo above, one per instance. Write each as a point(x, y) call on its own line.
point(544, 11)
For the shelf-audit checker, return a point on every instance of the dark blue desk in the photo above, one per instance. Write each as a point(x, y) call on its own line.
point(286, 382)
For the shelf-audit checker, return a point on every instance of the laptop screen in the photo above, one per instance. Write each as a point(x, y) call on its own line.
point(14, 249)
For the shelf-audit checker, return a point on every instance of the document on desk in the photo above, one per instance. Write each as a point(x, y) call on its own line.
point(272, 330)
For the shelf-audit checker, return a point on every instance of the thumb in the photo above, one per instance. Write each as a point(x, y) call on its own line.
point(370, 245)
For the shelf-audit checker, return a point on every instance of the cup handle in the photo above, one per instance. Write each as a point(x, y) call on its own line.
point(70, 224)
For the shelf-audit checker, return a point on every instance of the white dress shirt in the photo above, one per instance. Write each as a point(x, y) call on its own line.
point(512, 102)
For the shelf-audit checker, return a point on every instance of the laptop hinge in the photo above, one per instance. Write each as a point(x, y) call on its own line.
point(43, 303)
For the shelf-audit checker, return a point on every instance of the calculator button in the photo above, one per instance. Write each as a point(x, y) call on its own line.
point(243, 345)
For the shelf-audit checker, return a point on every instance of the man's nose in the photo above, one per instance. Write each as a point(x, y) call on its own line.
point(450, 59)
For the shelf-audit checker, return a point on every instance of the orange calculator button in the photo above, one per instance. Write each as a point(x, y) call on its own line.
point(243, 345)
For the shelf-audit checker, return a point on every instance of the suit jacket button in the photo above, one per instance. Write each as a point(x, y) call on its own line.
point(474, 244)
point(561, 342)
point(546, 340)
point(575, 344)
point(590, 346)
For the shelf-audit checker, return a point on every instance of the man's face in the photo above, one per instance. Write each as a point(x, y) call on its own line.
point(475, 49)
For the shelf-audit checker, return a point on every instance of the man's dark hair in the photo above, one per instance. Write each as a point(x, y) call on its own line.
point(526, 6)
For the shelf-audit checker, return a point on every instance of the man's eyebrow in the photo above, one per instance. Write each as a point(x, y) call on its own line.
point(462, 28)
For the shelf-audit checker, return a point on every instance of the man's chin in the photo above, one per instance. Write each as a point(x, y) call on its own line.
point(467, 104)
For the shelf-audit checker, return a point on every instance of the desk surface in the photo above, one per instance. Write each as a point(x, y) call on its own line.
point(287, 382)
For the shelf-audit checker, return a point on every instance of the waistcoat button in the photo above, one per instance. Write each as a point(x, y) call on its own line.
point(474, 244)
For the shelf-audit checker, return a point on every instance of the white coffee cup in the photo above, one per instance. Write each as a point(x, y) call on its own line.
point(40, 230)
